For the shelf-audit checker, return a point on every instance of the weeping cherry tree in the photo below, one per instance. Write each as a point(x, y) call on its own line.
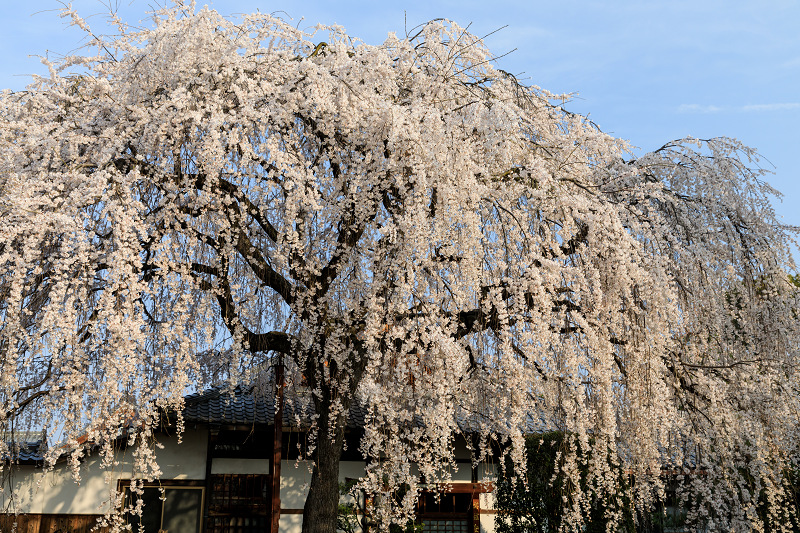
point(194, 200)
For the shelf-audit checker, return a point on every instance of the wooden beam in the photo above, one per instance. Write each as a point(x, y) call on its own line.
point(470, 488)
point(277, 448)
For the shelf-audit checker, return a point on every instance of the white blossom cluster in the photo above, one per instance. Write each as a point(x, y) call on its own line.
point(401, 223)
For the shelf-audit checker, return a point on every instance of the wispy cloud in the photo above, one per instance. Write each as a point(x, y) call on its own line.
point(697, 108)
point(772, 107)
point(791, 63)
point(750, 108)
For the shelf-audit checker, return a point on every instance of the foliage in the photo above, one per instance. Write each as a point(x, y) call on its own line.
point(404, 223)
point(792, 479)
point(533, 500)
point(347, 517)
point(352, 503)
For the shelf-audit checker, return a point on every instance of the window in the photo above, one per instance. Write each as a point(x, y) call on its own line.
point(178, 511)
point(445, 512)
point(239, 503)
point(456, 509)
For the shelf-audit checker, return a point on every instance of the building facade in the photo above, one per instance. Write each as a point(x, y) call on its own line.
point(232, 472)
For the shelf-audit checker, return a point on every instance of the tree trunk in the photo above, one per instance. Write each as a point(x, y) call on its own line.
point(322, 504)
point(321, 509)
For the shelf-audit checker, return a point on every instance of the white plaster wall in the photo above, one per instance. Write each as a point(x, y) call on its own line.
point(487, 472)
point(351, 469)
point(291, 523)
point(487, 523)
point(56, 492)
point(225, 465)
point(487, 520)
point(296, 476)
point(186, 460)
point(462, 473)
point(487, 500)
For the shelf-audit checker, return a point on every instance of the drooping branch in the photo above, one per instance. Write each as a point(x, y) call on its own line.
point(249, 207)
point(475, 320)
point(262, 269)
point(277, 341)
point(350, 232)
point(199, 181)
point(258, 264)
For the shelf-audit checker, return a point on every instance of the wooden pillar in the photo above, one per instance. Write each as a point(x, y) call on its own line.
point(476, 495)
point(209, 486)
point(476, 512)
point(277, 448)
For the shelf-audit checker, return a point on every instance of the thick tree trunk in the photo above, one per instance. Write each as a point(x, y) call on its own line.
point(322, 505)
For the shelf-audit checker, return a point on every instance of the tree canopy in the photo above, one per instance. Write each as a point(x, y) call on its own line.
point(404, 223)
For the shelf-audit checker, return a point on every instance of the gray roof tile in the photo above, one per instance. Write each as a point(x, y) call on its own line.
point(218, 405)
point(25, 447)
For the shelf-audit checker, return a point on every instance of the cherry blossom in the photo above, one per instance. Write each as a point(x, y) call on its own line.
point(193, 201)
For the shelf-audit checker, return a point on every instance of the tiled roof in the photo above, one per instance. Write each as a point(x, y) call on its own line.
point(219, 406)
point(25, 446)
point(479, 423)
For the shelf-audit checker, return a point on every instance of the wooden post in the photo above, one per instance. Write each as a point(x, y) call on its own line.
point(476, 512)
point(209, 486)
point(277, 446)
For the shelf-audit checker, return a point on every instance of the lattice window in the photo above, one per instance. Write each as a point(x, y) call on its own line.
point(239, 503)
point(438, 525)
point(445, 512)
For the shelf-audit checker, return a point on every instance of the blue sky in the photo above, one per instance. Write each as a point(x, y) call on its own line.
point(646, 71)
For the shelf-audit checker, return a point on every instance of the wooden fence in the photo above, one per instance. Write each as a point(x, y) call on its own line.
point(50, 523)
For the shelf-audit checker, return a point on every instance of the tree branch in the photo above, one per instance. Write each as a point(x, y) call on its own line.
point(276, 341)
